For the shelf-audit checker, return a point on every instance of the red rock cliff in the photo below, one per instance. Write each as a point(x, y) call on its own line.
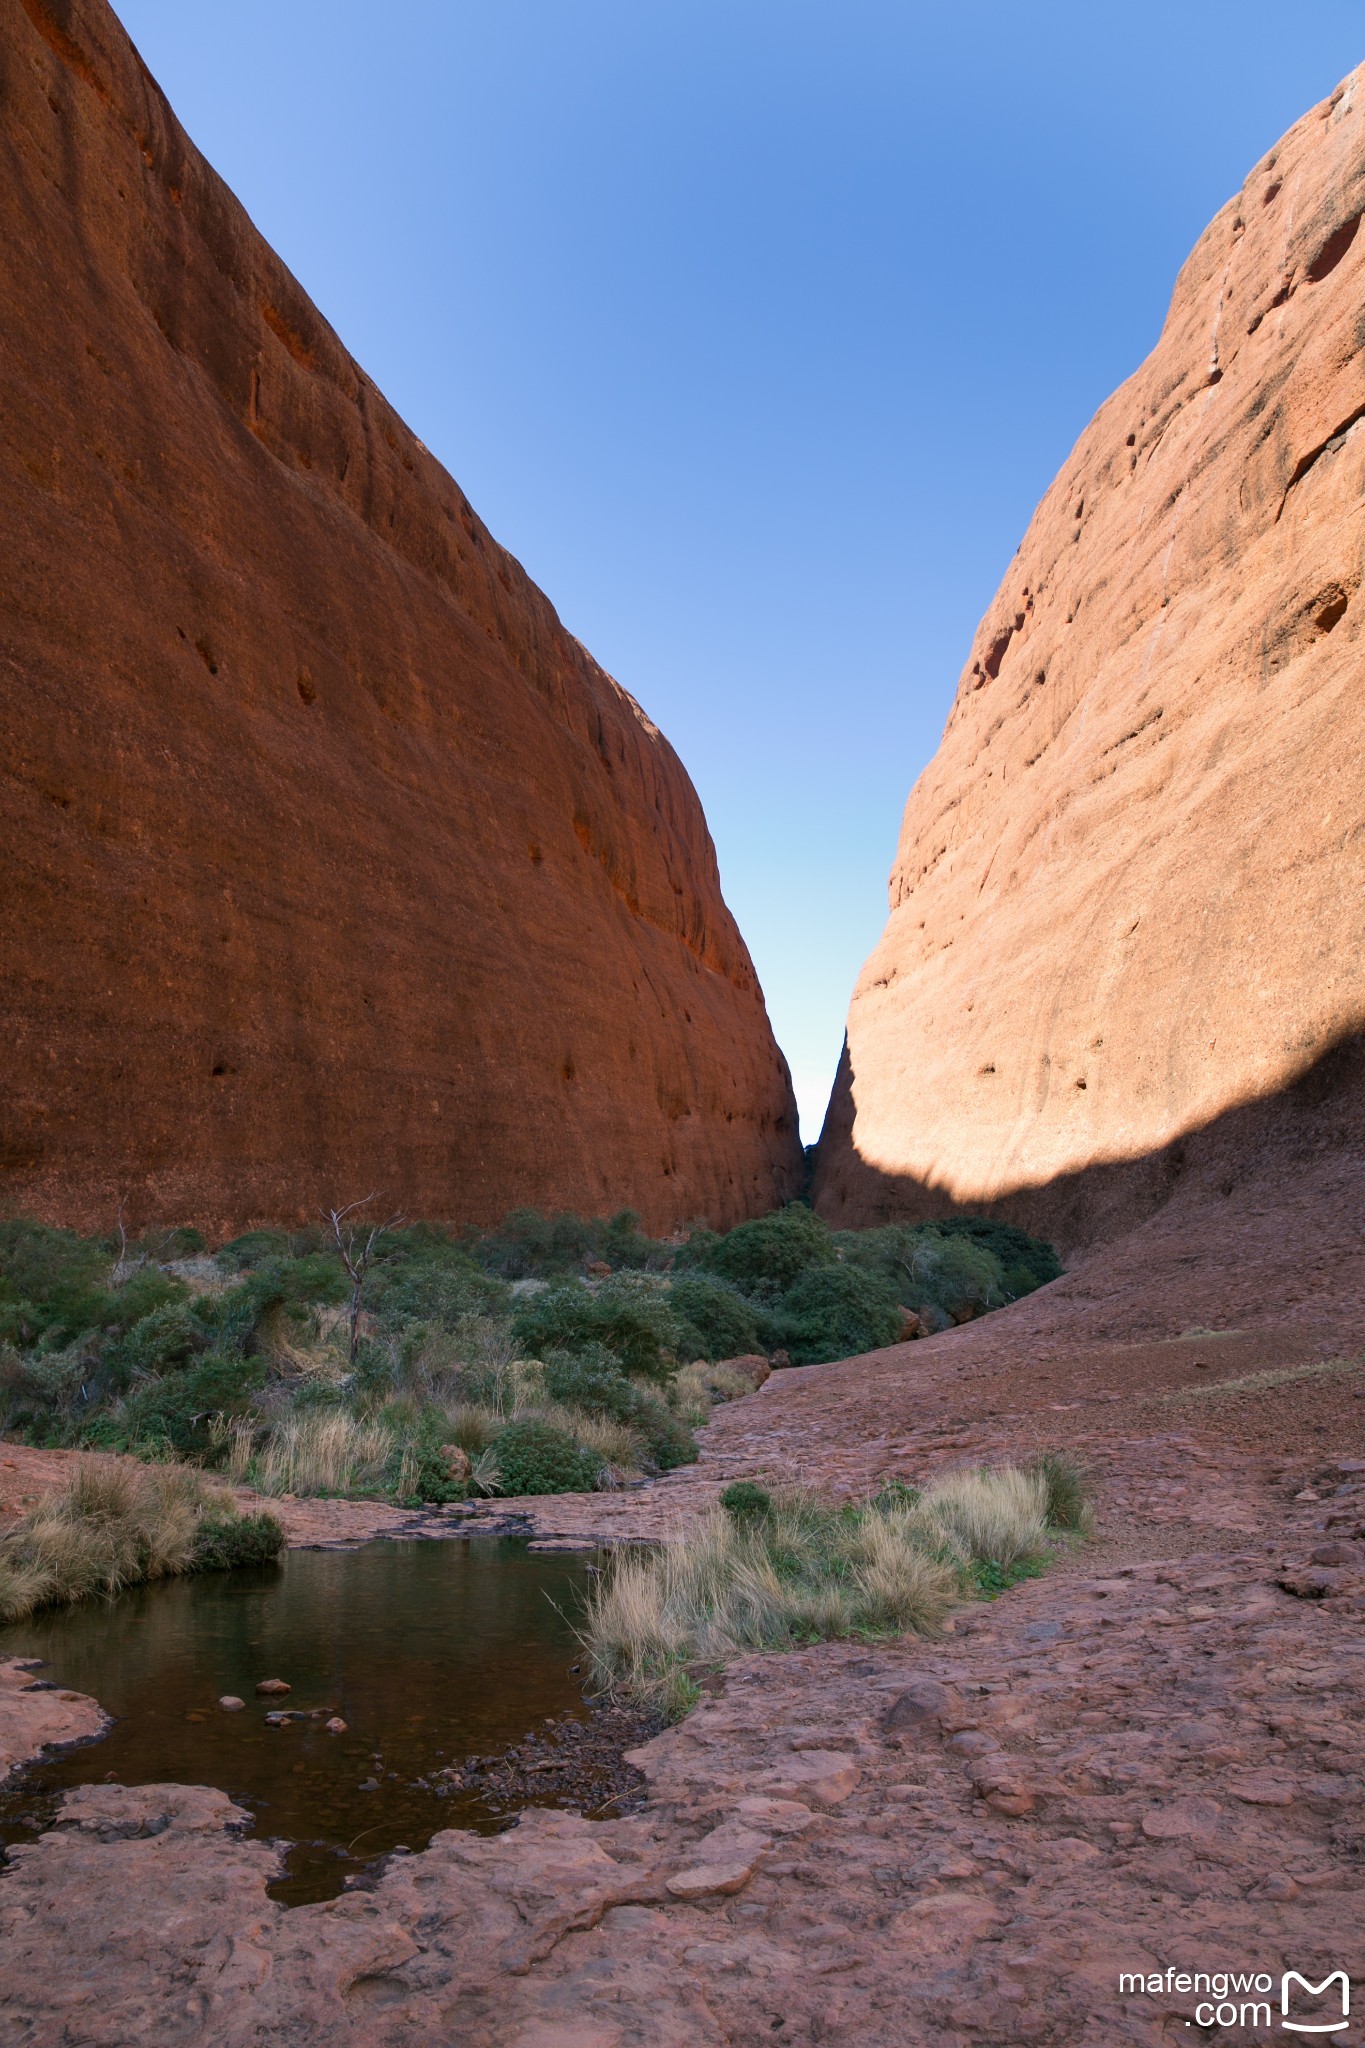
point(1127, 929)
point(331, 860)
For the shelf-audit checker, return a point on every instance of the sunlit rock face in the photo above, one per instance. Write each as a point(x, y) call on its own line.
point(332, 861)
point(1128, 903)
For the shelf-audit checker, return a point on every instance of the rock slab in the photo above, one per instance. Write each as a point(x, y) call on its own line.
point(36, 1715)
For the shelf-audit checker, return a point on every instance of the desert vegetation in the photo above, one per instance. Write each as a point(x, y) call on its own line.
point(423, 1364)
point(768, 1571)
point(114, 1525)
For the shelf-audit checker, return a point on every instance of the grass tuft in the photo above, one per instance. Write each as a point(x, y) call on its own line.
point(1066, 1503)
point(323, 1451)
point(113, 1526)
point(773, 1570)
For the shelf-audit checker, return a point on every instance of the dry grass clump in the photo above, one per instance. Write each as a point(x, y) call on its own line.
point(1000, 1516)
point(792, 1568)
point(323, 1451)
point(320, 1360)
point(698, 1387)
point(112, 1526)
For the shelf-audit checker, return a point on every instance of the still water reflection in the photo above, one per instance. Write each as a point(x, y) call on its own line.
point(428, 1651)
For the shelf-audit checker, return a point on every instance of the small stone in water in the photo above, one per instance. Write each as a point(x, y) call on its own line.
point(230, 1703)
point(273, 1685)
point(369, 1785)
point(194, 1717)
point(336, 1726)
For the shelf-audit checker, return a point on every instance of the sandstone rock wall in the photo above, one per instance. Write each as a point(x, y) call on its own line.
point(332, 861)
point(1127, 915)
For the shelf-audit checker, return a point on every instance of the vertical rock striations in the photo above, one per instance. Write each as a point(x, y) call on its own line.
point(1127, 929)
point(331, 860)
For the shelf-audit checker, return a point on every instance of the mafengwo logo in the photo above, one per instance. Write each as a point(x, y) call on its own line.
point(1292, 1981)
point(1245, 1998)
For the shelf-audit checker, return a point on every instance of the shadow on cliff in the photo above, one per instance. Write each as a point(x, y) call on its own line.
point(1303, 1145)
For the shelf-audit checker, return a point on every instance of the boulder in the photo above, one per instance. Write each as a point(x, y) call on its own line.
point(752, 1366)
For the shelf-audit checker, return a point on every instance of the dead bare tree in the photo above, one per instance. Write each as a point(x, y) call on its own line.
point(123, 1268)
point(358, 1249)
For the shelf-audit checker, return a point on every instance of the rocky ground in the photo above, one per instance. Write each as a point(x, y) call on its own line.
point(1152, 1757)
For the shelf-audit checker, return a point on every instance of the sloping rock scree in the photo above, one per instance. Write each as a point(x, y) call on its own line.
point(326, 844)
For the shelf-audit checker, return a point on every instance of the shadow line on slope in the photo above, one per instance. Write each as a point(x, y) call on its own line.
point(1271, 1141)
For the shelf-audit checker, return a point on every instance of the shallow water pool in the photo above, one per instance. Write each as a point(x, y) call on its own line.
point(429, 1651)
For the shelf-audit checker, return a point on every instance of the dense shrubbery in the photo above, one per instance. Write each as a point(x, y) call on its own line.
point(835, 1312)
point(631, 1320)
point(583, 1328)
point(715, 1320)
point(535, 1457)
point(766, 1256)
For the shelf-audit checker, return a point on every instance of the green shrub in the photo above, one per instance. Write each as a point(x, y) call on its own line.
point(161, 1342)
point(294, 1285)
point(535, 1457)
point(958, 1267)
point(590, 1379)
point(631, 1320)
point(185, 1242)
point(667, 1439)
point(1012, 1247)
point(714, 1319)
point(967, 1277)
point(252, 1248)
point(619, 1241)
point(442, 1291)
point(765, 1257)
point(177, 1411)
point(424, 1474)
point(227, 1542)
point(746, 1501)
point(1067, 1497)
point(49, 1280)
point(835, 1312)
point(529, 1246)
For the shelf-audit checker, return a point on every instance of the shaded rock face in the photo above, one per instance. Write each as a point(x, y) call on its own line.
point(1126, 914)
point(333, 862)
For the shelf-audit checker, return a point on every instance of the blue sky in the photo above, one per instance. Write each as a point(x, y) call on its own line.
point(755, 329)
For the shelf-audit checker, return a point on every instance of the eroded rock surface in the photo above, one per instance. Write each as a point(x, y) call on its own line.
point(334, 863)
point(1126, 906)
point(35, 1714)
